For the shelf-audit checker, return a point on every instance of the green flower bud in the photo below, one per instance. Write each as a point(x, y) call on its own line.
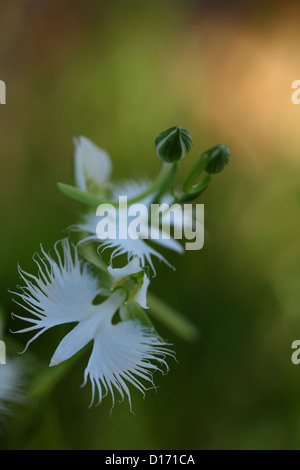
point(212, 161)
point(218, 158)
point(172, 144)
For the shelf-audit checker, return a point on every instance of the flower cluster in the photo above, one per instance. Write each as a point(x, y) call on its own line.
point(108, 300)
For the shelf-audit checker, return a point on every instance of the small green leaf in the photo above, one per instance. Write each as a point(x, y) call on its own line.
point(80, 196)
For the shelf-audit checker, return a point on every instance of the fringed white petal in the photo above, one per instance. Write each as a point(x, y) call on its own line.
point(130, 247)
point(134, 248)
point(124, 353)
point(169, 243)
point(62, 292)
point(133, 267)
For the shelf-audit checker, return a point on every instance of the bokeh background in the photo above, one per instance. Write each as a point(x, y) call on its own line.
point(120, 73)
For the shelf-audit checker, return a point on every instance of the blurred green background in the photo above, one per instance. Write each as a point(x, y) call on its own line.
point(120, 73)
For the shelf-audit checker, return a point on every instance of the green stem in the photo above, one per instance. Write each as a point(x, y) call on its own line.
point(174, 320)
point(190, 187)
point(164, 180)
point(160, 184)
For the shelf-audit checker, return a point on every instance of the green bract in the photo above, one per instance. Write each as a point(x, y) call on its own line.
point(173, 144)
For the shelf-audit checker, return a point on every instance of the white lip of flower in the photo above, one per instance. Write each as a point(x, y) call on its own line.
point(11, 381)
point(91, 163)
point(63, 292)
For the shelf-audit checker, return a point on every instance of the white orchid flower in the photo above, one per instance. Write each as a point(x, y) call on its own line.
point(92, 170)
point(63, 292)
point(165, 219)
point(132, 247)
point(92, 165)
point(92, 173)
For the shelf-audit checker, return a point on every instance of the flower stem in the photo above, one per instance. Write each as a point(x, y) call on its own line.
point(159, 185)
point(174, 320)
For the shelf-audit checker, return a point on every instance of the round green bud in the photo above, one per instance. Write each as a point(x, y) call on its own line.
point(218, 158)
point(173, 144)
